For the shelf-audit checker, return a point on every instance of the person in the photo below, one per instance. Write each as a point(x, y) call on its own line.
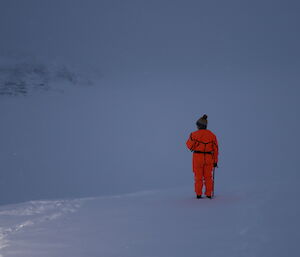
point(204, 145)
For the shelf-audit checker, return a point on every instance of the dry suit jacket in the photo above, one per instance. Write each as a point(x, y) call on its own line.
point(203, 140)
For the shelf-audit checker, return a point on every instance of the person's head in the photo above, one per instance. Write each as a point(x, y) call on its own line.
point(202, 122)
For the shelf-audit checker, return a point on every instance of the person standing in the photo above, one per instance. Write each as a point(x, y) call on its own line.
point(204, 145)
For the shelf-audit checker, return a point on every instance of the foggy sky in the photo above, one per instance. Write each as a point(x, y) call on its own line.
point(185, 36)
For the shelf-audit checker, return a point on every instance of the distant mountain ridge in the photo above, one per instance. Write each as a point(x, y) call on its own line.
point(23, 77)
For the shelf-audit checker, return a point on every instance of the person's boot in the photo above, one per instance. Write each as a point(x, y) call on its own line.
point(209, 196)
point(199, 196)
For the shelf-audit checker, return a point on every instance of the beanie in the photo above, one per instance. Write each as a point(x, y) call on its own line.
point(202, 122)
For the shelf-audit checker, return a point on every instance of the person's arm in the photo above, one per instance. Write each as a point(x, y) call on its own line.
point(190, 143)
point(216, 151)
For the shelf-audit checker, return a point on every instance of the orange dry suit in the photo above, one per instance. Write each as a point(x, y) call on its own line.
point(204, 145)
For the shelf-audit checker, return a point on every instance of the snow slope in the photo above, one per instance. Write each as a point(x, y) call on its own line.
point(61, 139)
point(149, 223)
point(92, 142)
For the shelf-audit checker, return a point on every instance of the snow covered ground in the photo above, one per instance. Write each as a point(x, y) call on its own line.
point(102, 106)
point(155, 223)
point(109, 140)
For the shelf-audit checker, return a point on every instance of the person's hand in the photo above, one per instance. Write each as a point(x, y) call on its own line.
point(215, 165)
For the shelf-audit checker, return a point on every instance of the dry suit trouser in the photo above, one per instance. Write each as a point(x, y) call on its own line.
point(203, 175)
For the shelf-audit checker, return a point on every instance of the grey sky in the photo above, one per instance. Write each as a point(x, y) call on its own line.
point(154, 35)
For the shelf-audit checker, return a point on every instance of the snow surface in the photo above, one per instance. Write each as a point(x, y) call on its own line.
point(148, 223)
point(111, 140)
point(62, 140)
